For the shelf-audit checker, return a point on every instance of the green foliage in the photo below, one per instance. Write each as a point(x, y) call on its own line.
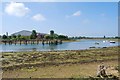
point(62, 37)
point(19, 36)
point(9, 37)
point(117, 37)
point(4, 37)
point(24, 38)
point(14, 36)
point(33, 35)
point(54, 36)
point(47, 36)
point(51, 32)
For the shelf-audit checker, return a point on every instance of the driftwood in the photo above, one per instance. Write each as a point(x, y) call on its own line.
point(101, 72)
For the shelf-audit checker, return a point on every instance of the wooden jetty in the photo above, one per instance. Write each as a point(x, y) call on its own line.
point(35, 41)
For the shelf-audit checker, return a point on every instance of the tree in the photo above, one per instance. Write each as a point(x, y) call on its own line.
point(9, 37)
point(19, 36)
point(14, 36)
point(104, 37)
point(33, 35)
point(4, 37)
point(47, 36)
point(24, 38)
point(62, 37)
point(0, 36)
point(51, 32)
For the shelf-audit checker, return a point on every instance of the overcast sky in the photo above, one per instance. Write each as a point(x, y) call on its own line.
point(68, 18)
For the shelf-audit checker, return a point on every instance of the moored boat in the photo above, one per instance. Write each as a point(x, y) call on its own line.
point(96, 42)
point(112, 41)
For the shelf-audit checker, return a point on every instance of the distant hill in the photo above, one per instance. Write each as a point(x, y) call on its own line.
point(25, 33)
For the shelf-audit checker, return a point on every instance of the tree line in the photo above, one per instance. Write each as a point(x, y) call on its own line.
point(34, 35)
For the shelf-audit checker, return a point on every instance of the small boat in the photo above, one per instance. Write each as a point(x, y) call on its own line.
point(96, 42)
point(92, 47)
point(104, 47)
point(112, 41)
point(105, 41)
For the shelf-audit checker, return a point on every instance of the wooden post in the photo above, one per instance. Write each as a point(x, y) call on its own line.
point(43, 42)
point(37, 42)
point(49, 42)
point(60, 41)
point(15, 42)
point(46, 41)
point(56, 42)
point(25, 42)
point(5, 42)
point(9, 42)
point(33, 41)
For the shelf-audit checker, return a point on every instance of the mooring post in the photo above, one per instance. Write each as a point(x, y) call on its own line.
point(37, 42)
point(5, 42)
point(9, 42)
point(56, 42)
point(43, 42)
point(60, 41)
point(20, 42)
point(49, 42)
point(25, 42)
point(15, 42)
point(33, 41)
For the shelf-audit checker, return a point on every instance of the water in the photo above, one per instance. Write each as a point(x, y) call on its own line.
point(81, 45)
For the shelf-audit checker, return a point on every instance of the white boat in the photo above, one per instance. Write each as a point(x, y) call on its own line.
point(105, 41)
point(112, 41)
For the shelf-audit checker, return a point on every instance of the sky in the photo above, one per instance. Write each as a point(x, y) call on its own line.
point(67, 18)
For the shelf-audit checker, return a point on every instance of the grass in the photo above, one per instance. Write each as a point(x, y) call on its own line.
point(60, 57)
point(57, 64)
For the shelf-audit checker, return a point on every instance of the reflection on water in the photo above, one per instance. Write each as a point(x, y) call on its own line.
point(49, 47)
point(83, 44)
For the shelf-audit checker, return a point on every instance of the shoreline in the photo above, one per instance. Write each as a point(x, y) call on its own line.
point(61, 50)
point(77, 40)
point(39, 62)
point(85, 55)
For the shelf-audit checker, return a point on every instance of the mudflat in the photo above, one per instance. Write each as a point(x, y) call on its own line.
point(59, 64)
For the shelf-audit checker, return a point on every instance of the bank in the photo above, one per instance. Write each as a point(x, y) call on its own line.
point(33, 61)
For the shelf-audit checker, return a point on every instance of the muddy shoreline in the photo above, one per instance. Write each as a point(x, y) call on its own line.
point(58, 64)
point(42, 58)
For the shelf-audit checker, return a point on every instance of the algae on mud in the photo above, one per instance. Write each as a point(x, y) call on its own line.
point(25, 59)
point(58, 64)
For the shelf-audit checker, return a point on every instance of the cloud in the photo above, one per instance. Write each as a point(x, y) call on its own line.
point(75, 14)
point(39, 17)
point(78, 13)
point(16, 9)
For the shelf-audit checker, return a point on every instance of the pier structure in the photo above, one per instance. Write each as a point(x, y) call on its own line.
point(43, 41)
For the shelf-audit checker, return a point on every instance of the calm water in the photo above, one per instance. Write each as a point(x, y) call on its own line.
point(83, 44)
